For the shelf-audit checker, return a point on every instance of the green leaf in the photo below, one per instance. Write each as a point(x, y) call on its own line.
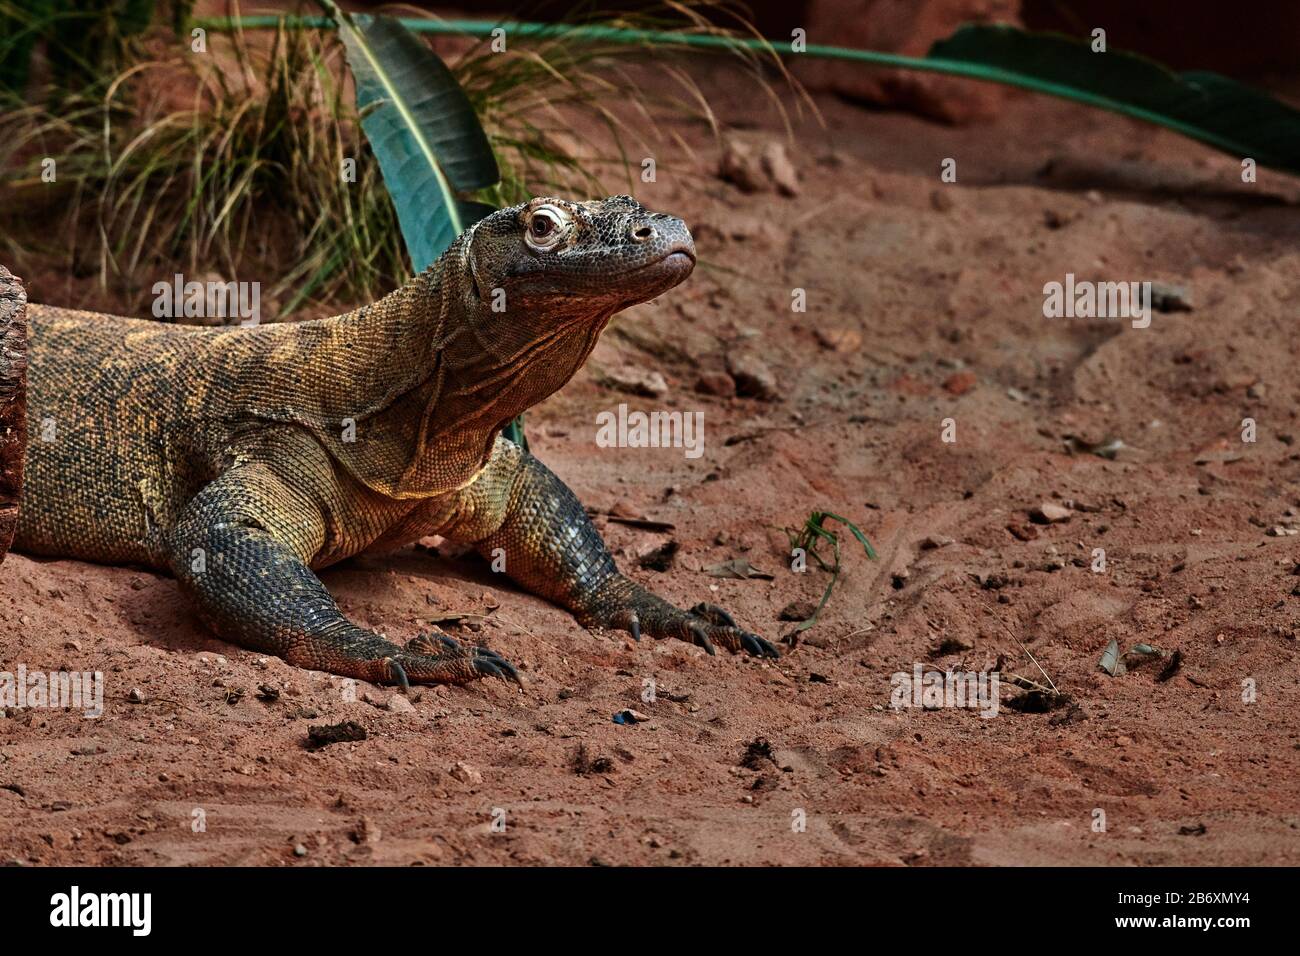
point(1205, 106)
point(430, 145)
point(1229, 116)
point(813, 531)
point(857, 532)
point(1110, 661)
point(515, 432)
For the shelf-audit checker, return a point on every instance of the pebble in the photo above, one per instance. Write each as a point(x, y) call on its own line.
point(635, 381)
point(776, 163)
point(400, 704)
point(838, 339)
point(1170, 298)
point(1050, 513)
point(716, 383)
point(752, 376)
point(741, 167)
point(465, 773)
point(959, 383)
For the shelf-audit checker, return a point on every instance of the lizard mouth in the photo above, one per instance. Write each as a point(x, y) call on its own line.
point(671, 269)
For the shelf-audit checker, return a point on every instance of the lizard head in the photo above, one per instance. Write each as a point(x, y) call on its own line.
point(556, 260)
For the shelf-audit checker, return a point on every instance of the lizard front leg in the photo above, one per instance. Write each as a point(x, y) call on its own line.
point(518, 505)
point(240, 549)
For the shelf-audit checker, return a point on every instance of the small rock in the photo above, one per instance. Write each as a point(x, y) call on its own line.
point(299, 850)
point(465, 773)
point(400, 704)
point(839, 339)
point(366, 832)
point(326, 734)
point(634, 381)
point(1023, 532)
point(716, 383)
point(1170, 298)
point(1256, 391)
point(741, 167)
point(959, 383)
point(779, 169)
point(934, 541)
point(941, 200)
point(136, 696)
point(1050, 513)
point(752, 376)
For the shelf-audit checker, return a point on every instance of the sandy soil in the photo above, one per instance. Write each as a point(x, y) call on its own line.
point(924, 303)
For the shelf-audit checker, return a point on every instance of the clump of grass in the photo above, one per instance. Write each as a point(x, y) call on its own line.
point(220, 162)
point(527, 95)
point(809, 538)
point(230, 162)
point(83, 42)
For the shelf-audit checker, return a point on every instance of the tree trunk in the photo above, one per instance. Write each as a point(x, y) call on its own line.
point(13, 402)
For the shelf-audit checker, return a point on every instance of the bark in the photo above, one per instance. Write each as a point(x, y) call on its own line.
point(13, 402)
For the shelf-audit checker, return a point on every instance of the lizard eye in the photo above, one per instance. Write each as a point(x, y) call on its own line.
point(545, 227)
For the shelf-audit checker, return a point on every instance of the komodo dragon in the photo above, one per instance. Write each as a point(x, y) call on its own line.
point(244, 459)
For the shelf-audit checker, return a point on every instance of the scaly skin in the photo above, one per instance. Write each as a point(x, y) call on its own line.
point(243, 459)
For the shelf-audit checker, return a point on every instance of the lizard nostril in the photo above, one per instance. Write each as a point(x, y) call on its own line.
point(642, 233)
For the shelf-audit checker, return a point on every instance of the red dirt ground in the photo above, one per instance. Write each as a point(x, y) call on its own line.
point(924, 303)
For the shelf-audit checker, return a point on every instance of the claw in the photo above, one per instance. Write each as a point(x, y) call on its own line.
point(757, 646)
point(496, 667)
point(431, 643)
point(702, 639)
point(398, 673)
point(713, 614)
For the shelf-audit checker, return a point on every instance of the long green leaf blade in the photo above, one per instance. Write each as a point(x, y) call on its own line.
point(1205, 106)
point(422, 129)
point(1229, 116)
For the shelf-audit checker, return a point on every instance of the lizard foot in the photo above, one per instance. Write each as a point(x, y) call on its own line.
point(487, 661)
point(627, 606)
point(424, 660)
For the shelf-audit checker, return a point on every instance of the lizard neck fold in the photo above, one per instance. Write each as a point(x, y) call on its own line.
point(418, 384)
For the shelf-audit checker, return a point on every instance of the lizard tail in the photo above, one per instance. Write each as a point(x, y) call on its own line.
point(13, 402)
